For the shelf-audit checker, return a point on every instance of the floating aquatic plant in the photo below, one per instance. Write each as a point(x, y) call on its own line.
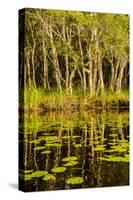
point(110, 150)
point(75, 136)
point(35, 141)
point(69, 158)
point(58, 169)
point(99, 148)
point(116, 159)
point(46, 152)
point(39, 148)
point(26, 171)
point(70, 164)
point(48, 138)
point(112, 134)
point(39, 173)
point(53, 145)
point(25, 177)
point(75, 180)
point(49, 177)
point(77, 145)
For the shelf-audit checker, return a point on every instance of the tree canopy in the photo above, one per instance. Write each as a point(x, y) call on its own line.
point(72, 49)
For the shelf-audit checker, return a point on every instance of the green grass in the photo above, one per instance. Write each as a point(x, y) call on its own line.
point(37, 99)
point(114, 96)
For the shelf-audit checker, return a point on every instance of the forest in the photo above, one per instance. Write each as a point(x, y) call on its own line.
point(73, 58)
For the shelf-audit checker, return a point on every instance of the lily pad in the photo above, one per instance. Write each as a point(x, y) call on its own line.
point(53, 145)
point(102, 158)
point(26, 171)
point(69, 158)
point(49, 138)
point(58, 169)
point(115, 159)
point(118, 159)
point(112, 135)
point(35, 141)
point(110, 150)
point(46, 152)
point(99, 148)
point(39, 148)
point(75, 180)
point(70, 164)
point(77, 145)
point(25, 177)
point(39, 173)
point(49, 177)
point(75, 136)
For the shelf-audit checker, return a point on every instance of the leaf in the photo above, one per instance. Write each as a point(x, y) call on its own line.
point(39, 148)
point(35, 141)
point(46, 152)
point(99, 148)
point(75, 180)
point(39, 173)
point(53, 145)
point(116, 159)
point(75, 136)
point(77, 145)
point(26, 171)
point(69, 158)
point(70, 164)
point(49, 177)
point(58, 169)
point(25, 177)
point(49, 138)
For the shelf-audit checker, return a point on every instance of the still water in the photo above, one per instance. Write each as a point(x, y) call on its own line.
point(73, 150)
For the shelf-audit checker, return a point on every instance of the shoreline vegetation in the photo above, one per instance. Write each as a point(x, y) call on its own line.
point(38, 100)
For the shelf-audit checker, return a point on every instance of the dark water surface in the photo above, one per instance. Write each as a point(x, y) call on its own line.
point(73, 150)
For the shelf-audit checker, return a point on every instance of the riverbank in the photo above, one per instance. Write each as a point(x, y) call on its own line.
point(38, 100)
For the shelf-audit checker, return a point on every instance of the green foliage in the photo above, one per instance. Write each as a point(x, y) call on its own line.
point(49, 177)
point(70, 158)
point(55, 100)
point(30, 175)
point(70, 164)
point(46, 152)
point(39, 173)
point(39, 148)
point(25, 171)
point(58, 169)
point(75, 180)
point(56, 40)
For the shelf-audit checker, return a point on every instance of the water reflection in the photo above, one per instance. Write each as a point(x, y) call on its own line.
point(74, 150)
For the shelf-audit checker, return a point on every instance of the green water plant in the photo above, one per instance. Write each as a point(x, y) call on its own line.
point(69, 159)
point(49, 177)
point(46, 152)
point(26, 171)
point(70, 164)
point(58, 169)
point(39, 173)
point(75, 180)
point(39, 148)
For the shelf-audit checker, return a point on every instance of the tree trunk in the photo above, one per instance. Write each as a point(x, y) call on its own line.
point(55, 61)
point(33, 65)
point(82, 60)
point(120, 76)
point(66, 57)
point(45, 67)
point(28, 69)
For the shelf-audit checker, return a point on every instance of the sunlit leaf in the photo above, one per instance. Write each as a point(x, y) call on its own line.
point(75, 180)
